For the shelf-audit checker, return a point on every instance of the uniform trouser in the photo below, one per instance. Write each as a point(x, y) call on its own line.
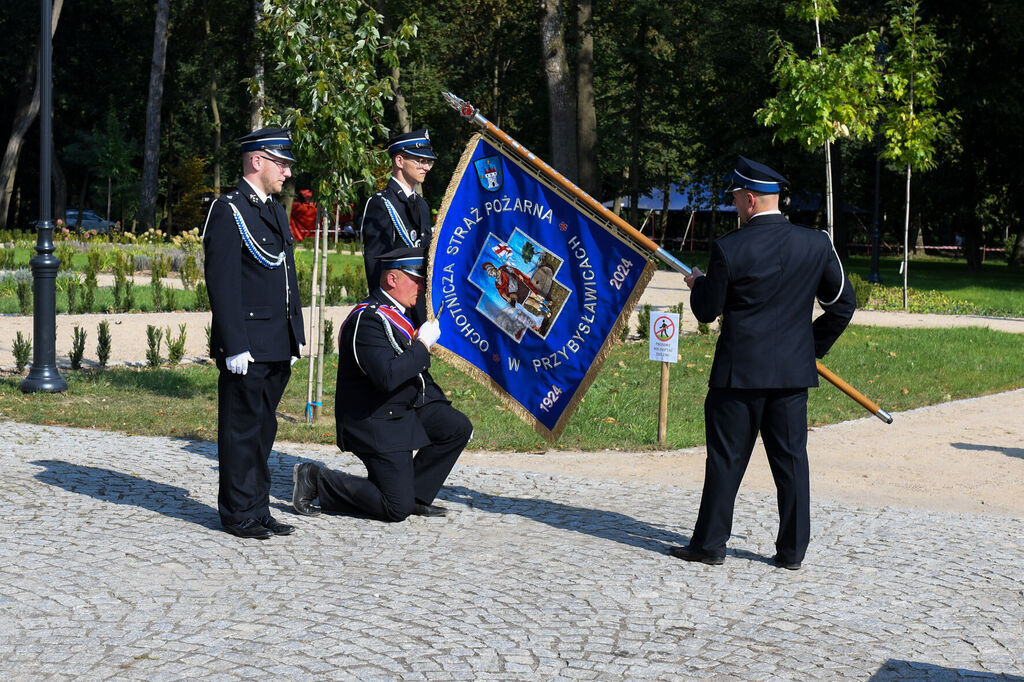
point(246, 428)
point(396, 480)
point(733, 418)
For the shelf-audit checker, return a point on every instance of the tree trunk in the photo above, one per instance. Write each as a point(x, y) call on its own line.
point(561, 98)
point(25, 115)
point(215, 111)
point(259, 97)
point(1017, 257)
point(636, 125)
point(586, 113)
point(401, 110)
point(151, 153)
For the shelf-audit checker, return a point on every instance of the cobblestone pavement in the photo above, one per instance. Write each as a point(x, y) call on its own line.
point(114, 566)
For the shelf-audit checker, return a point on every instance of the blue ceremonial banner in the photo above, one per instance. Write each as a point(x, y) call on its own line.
point(531, 290)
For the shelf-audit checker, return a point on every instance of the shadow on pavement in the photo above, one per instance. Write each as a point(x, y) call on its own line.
point(895, 669)
point(599, 523)
point(280, 464)
point(121, 488)
point(1009, 452)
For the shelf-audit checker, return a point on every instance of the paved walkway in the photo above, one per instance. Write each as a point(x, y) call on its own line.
point(114, 567)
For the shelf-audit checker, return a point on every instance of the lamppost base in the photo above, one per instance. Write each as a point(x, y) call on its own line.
point(43, 380)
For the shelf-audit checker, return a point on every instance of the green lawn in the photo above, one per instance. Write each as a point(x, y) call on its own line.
point(897, 368)
point(996, 289)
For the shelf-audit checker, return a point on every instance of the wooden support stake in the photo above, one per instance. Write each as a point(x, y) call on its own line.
point(663, 403)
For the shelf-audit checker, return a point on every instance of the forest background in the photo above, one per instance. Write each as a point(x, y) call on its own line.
point(621, 96)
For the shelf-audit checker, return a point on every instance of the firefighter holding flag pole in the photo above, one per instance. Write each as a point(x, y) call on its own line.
point(762, 280)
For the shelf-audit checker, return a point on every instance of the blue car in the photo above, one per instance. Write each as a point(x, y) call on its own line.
point(89, 221)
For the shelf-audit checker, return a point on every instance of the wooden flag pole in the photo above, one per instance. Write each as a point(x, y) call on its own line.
point(578, 196)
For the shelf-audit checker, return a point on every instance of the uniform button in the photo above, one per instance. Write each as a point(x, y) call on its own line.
point(250, 314)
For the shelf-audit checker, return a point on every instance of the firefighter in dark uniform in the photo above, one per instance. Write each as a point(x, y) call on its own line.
point(256, 329)
point(387, 405)
point(397, 216)
point(763, 280)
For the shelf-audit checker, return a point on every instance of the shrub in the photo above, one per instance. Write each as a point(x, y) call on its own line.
point(170, 299)
point(103, 343)
point(71, 287)
point(328, 336)
point(64, 251)
point(354, 278)
point(77, 347)
point(703, 328)
point(153, 337)
point(643, 324)
point(861, 289)
point(335, 291)
point(159, 266)
point(24, 289)
point(22, 351)
point(202, 296)
point(190, 272)
point(7, 259)
point(129, 295)
point(176, 346)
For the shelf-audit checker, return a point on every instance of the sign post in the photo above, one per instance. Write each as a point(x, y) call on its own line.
point(664, 347)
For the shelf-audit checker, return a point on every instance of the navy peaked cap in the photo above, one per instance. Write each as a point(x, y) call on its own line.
point(274, 141)
point(755, 176)
point(416, 143)
point(408, 259)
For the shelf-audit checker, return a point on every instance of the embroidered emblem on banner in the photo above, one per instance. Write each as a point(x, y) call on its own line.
point(519, 292)
point(488, 171)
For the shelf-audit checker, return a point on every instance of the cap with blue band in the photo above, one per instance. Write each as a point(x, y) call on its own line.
point(756, 177)
point(275, 141)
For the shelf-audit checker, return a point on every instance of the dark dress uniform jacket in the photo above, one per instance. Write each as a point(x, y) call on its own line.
point(763, 279)
point(376, 398)
point(255, 308)
point(381, 234)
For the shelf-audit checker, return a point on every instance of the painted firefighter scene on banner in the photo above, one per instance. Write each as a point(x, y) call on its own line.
point(518, 285)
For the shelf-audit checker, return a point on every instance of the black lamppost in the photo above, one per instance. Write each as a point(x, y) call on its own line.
point(876, 238)
point(43, 376)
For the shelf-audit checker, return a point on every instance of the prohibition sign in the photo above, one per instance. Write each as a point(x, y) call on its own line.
point(664, 328)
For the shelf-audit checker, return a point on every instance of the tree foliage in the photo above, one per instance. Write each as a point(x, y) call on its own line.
point(913, 125)
point(833, 94)
point(329, 54)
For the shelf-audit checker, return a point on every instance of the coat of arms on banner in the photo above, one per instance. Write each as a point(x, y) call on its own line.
point(532, 290)
point(488, 170)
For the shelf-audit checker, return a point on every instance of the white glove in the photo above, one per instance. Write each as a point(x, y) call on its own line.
point(295, 359)
point(239, 364)
point(429, 333)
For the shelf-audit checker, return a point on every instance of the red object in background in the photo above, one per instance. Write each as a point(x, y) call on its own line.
point(303, 219)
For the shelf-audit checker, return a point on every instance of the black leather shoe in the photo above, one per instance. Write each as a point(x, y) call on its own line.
point(689, 554)
point(304, 476)
point(275, 526)
point(428, 510)
point(788, 565)
point(250, 528)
